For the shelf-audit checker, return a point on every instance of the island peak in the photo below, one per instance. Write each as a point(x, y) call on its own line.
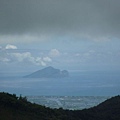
point(49, 72)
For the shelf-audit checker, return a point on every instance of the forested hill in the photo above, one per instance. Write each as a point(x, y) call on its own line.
point(18, 108)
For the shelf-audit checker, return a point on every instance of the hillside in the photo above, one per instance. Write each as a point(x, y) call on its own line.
point(18, 108)
point(48, 72)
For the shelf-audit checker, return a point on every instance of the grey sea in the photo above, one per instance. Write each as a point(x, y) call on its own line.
point(68, 102)
point(80, 90)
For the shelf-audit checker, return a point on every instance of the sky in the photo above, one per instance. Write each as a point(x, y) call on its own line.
point(67, 34)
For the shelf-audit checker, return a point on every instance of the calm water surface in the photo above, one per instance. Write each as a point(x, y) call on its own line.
point(86, 83)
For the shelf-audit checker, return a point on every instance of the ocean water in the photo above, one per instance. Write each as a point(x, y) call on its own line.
point(68, 102)
point(84, 83)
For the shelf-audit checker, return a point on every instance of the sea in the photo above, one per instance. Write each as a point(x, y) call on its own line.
point(68, 102)
point(82, 89)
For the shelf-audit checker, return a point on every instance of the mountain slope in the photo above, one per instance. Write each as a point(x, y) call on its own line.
point(49, 72)
point(18, 108)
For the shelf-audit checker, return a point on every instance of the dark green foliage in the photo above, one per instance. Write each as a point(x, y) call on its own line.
point(18, 108)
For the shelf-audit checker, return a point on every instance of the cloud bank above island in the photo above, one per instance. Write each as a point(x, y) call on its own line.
point(37, 20)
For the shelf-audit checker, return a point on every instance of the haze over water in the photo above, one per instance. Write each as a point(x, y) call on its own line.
point(84, 83)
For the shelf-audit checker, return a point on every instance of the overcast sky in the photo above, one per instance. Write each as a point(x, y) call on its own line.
point(68, 34)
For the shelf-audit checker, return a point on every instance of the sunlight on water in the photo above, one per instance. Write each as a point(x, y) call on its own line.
point(68, 102)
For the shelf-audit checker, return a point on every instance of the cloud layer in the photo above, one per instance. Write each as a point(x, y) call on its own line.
point(89, 59)
point(92, 19)
point(16, 56)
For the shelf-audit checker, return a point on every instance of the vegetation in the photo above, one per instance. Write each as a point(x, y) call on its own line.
point(18, 108)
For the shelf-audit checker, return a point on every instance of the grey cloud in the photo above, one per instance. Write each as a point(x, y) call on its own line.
point(98, 18)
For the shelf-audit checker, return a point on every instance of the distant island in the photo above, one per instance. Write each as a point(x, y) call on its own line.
point(48, 72)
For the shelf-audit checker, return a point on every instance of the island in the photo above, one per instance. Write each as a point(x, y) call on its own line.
point(48, 72)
